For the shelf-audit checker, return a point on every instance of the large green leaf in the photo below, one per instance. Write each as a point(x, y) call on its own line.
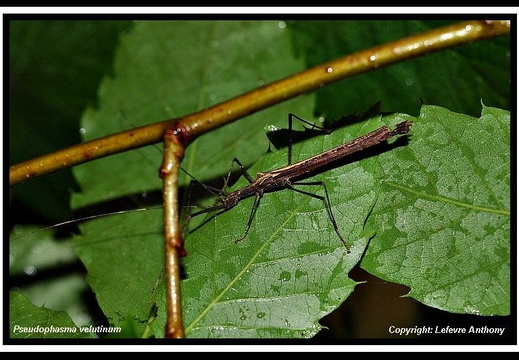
point(167, 69)
point(29, 321)
point(443, 218)
point(292, 268)
point(47, 272)
point(137, 252)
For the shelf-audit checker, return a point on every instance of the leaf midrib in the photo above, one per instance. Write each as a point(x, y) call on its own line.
point(448, 200)
point(239, 275)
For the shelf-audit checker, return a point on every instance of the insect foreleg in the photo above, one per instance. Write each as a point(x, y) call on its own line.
point(243, 171)
point(314, 126)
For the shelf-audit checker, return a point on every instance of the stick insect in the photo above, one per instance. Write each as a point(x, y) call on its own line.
point(289, 176)
point(293, 175)
point(282, 178)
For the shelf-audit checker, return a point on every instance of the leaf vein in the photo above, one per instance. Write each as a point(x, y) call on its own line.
point(448, 200)
point(247, 266)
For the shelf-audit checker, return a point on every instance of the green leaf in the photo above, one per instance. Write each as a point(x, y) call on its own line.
point(161, 73)
point(29, 321)
point(124, 264)
point(48, 272)
point(292, 268)
point(130, 251)
point(169, 69)
point(133, 244)
point(443, 217)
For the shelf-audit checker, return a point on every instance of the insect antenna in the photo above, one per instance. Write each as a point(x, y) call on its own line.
point(85, 218)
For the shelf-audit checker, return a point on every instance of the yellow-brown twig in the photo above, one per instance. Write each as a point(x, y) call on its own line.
point(174, 247)
point(201, 122)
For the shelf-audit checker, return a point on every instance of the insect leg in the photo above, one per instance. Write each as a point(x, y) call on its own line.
point(290, 141)
point(220, 193)
point(212, 190)
point(243, 171)
point(326, 200)
point(314, 126)
point(220, 207)
point(255, 206)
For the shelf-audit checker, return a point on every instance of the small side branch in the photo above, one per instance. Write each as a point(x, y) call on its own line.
point(174, 245)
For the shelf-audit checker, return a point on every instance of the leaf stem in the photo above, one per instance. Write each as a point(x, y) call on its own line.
point(196, 124)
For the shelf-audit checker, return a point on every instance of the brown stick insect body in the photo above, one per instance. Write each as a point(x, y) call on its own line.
point(287, 176)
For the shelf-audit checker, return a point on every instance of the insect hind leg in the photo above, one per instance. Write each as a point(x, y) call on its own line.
point(327, 202)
